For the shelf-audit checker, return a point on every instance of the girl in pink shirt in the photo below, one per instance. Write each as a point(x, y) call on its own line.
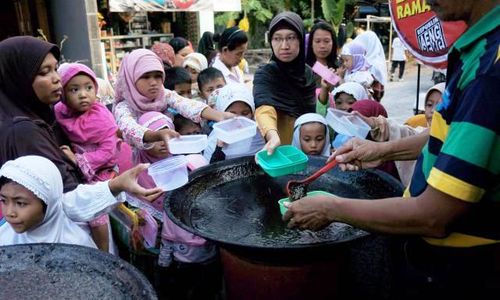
point(91, 128)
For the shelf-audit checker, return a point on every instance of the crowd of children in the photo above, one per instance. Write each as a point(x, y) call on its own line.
point(172, 91)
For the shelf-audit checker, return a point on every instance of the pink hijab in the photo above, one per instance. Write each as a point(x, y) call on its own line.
point(155, 121)
point(165, 52)
point(85, 128)
point(133, 66)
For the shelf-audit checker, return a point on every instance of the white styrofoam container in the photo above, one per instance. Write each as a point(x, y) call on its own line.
point(235, 129)
point(347, 123)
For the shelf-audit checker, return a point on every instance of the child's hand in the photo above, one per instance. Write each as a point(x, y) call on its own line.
point(227, 115)
point(127, 182)
point(164, 135)
point(368, 120)
point(221, 144)
point(341, 71)
point(67, 151)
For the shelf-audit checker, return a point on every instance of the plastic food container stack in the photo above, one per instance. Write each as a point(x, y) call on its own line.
point(235, 129)
point(346, 123)
point(186, 144)
point(285, 160)
point(169, 173)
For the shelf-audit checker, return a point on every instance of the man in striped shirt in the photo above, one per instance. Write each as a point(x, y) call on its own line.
point(453, 201)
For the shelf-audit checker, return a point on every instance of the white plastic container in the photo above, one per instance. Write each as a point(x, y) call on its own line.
point(169, 173)
point(235, 129)
point(187, 144)
point(347, 123)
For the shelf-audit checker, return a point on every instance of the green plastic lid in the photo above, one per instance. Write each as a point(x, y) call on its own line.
point(285, 160)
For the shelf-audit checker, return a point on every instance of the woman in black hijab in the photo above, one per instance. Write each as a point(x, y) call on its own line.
point(284, 88)
point(29, 86)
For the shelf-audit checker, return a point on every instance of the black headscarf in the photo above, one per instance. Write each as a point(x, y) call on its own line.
point(288, 86)
point(20, 58)
point(206, 44)
point(25, 121)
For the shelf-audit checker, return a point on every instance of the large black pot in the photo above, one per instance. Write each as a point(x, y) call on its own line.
point(60, 271)
point(234, 203)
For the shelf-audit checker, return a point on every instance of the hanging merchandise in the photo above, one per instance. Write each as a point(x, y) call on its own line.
point(426, 37)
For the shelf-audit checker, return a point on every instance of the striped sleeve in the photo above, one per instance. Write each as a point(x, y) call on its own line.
point(469, 159)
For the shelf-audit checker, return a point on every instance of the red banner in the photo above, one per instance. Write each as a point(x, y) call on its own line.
point(424, 35)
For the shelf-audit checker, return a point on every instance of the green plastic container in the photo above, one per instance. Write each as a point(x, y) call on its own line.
point(282, 201)
point(285, 160)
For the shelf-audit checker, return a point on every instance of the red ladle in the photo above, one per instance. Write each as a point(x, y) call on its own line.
point(297, 189)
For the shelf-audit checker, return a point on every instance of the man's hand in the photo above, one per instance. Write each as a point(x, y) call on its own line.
point(312, 212)
point(358, 154)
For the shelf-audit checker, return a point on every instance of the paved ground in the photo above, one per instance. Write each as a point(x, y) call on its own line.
point(400, 97)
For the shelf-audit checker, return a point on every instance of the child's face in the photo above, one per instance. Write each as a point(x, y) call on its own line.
point(211, 86)
point(150, 84)
point(344, 101)
point(347, 61)
point(430, 104)
point(190, 129)
point(21, 208)
point(184, 89)
point(80, 93)
point(159, 150)
point(312, 138)
point(240, 108)
point(193, 72)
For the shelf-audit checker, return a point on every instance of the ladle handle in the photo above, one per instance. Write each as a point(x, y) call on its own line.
point(321, 171)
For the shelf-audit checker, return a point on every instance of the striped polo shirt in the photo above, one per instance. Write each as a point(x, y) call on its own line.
point(462, 156)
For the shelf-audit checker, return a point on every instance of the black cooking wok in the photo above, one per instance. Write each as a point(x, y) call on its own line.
point(235, 204)
point(60, 271)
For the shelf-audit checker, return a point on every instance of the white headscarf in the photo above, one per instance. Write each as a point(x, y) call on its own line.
point(223, 98)
point(196, 61)
point(352, 88)
point(41, 176)
point(374, 55)
point(309, 118)
point(230, 93)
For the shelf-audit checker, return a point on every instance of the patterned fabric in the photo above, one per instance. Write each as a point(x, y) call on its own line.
point(133, 133)
point(462, 157)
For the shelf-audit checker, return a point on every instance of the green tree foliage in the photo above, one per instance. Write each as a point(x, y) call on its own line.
point(333, 11)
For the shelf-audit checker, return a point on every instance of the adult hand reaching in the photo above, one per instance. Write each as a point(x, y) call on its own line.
point(273, 141)
point(127, 182)
point(358, 154)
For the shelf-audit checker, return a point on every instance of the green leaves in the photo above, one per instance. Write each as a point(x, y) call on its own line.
point(333, 11)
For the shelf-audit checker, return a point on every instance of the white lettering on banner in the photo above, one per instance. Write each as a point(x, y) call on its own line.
point(430, 36)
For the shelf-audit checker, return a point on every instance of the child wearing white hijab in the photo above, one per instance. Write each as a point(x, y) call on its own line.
point(37, 211)
point(237, 99)
point(32, 200)
point(347, 93)
point(311, 135)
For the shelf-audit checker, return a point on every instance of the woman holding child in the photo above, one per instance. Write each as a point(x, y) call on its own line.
point(29, 86)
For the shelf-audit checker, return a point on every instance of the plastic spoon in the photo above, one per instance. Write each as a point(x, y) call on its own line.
point(297, 189)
